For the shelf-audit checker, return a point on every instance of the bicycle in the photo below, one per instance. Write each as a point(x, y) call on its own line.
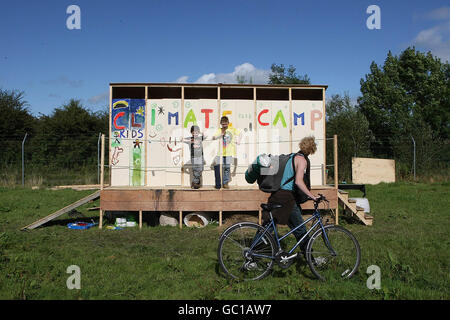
point(248, 251)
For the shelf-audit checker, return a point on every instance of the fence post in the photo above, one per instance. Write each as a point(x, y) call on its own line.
point(23, 159)
point(98, 157)
point(324, 180)
point(102, 163)
point(414, 156)
point(336, 178)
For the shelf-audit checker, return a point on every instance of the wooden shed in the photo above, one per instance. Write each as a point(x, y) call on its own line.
point(148, 122)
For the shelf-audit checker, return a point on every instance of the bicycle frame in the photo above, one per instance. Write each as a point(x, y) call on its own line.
point(272, 225)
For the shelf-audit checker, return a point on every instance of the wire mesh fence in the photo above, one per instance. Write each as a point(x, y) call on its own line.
point(75, 159)
point(416, 158)
point(51, 160)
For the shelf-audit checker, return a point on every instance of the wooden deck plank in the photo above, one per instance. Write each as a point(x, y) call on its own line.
point(193, 200)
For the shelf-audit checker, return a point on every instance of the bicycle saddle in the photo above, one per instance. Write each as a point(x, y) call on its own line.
point(270, 206)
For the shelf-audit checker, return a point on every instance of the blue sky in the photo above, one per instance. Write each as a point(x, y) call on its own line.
point(202, 41)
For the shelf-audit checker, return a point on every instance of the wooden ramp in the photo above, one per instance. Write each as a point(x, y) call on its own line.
point(60, 212)
point(351, 207)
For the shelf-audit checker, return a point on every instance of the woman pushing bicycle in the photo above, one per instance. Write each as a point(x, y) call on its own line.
point(295, 189)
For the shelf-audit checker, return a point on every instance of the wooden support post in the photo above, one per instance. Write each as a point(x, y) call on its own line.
point(290, 120)
point(182, 138)
point(181, 219)
point(140, 219)
point(324, 172)
point(102, 176)
point(255, 127)
point(260, 216)
point(110, 135)
point(323, 175)
point(219, 105)
point(336, 177)
point(220, 218)
point(102, 162)
point(146, 144)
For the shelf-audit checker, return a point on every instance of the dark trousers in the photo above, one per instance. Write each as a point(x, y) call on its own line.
point(295, 220)
point(226, 168)
point(197, 170)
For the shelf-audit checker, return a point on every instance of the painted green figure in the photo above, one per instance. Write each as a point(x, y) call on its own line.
point(137, 174)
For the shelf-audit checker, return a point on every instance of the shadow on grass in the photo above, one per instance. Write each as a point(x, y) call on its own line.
point(65, 222)
point(151, 219)
point(301, 266)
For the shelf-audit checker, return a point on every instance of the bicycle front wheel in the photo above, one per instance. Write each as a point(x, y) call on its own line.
point(234, 254)
point(333, 254)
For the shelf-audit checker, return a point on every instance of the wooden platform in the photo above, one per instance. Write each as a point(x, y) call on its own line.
point(189, 200)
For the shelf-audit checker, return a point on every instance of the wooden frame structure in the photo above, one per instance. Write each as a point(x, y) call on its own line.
point(187, 200)
point(183, 199)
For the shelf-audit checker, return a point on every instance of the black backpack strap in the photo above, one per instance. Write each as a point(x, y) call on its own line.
point(289, 180)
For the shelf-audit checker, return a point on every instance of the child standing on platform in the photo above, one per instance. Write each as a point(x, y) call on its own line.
point(196, 147)
point(230, 136)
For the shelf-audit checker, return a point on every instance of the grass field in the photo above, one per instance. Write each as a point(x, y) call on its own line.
point(409, 242)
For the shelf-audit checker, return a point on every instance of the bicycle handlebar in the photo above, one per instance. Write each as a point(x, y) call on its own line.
point(320, 199)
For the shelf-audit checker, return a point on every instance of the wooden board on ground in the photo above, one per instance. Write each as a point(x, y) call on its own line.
point(60, 212)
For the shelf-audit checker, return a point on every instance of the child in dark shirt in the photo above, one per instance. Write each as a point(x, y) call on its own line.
point(196, 147)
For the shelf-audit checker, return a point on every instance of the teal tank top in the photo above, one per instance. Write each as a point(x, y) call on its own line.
point(288, 173)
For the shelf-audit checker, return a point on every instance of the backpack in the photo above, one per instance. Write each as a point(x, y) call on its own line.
point(268, 174)
point(270, 178)
point(268, 171)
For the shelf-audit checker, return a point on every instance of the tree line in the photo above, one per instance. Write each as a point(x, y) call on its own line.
point(67, 138)
point(404, 102)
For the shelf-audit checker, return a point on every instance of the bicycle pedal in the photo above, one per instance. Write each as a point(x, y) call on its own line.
point(319, 261)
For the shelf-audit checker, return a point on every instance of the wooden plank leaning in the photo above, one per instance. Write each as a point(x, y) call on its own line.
point(60, 212)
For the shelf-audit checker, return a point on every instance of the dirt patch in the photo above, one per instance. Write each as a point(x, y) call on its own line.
point(230, 219)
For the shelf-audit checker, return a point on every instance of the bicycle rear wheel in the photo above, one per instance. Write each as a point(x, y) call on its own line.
point(234, 254)
point(337, 258)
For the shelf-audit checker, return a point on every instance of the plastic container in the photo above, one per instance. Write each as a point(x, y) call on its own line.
point(113, 228)
point(197, 219)
point(121, 222)
point(80, 225)
point(363, 203)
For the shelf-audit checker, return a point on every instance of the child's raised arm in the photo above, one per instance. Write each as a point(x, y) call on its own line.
point(186, 140)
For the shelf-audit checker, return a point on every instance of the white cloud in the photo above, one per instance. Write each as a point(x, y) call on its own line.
point(64, 80)
point(207, 78)
point(246, 71)
point(439, 14)
point(182, 79)
point(100, 98)
point(429, 37)
point(437, 38)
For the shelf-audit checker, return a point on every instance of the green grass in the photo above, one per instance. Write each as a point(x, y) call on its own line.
point(409, 242)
